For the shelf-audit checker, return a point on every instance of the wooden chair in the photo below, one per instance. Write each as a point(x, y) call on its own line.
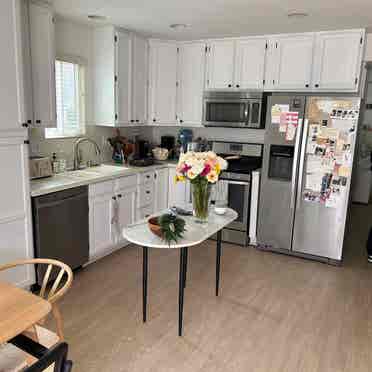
point(52, 293)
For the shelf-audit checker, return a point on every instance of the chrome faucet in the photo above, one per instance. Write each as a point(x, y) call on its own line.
point(77, 159)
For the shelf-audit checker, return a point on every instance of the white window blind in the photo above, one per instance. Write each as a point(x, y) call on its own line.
point(69, 100)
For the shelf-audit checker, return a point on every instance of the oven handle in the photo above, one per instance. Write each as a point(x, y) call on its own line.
point(235, 182)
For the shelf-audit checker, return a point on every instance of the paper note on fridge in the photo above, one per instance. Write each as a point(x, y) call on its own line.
point(276, 111)
point(313, 164)
point(342, 125)
point(314, 181)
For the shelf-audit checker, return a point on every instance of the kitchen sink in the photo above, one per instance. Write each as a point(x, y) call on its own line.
point(100, 170)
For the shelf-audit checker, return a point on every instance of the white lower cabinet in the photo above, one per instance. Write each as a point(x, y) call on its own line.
point(100, 227)
point(15, 212)
point(111, 208)
point(161, 189)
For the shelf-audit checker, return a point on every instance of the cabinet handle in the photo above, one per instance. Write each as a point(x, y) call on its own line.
point(155, 176)
point(154, 120)
point(119, 196)
point(114, 198)
point(24, 125)
point(147, 192)
point(132, 121)
point(38, 121)
point(237, 85)
point(147, 215)
point(229, 85)
point(316, 85)
point(181, 121)
point(306, 85)
point(137, 121)
point(147, 176)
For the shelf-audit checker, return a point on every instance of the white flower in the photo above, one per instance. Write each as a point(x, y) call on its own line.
point(212, 177)
point(222, 163)
point(191, 175)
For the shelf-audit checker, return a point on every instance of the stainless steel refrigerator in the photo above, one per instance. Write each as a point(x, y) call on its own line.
point(306, 174)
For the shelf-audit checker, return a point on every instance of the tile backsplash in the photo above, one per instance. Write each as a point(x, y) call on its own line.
point(39, 145)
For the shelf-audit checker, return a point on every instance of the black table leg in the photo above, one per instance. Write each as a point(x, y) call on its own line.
point(218, 261)
point(144, 283)
point(186, 261)
point(183, 254)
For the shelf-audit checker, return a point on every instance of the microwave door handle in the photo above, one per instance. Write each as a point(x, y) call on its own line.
point(302, 162)
point(295, 160)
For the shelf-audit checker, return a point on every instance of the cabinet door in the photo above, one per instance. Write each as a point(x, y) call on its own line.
point(43, 64)
point(123, 78)
point(250, 63)
point(163, 79)
point(176, 190)
point(191, 75)
point(100, 226)
point(161, 189)
point(338, 57)
point(140, 76)
point(11, 61)
point(293, 59)
point(221, 60)
point(126, 211)
point(15, 212)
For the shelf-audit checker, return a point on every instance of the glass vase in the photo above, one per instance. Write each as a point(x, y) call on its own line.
point(201, 192)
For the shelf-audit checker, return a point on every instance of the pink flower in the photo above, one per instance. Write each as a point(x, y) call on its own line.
point(185, 168)
point(206, 170)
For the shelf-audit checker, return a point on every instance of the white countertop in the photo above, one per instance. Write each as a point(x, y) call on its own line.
point(140, 234)
point(88, 176)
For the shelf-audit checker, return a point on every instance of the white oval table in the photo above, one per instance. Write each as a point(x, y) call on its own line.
point(196, 233)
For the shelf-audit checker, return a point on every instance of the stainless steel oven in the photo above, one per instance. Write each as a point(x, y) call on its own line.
point(234, 185)
point(240, 109)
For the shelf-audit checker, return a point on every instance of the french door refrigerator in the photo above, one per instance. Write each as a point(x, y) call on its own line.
point(306, 173)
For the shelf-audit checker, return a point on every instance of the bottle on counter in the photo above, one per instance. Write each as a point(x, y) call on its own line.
point(55, 163)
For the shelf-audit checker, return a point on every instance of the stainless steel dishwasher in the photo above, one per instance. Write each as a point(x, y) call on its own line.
point(61, 227)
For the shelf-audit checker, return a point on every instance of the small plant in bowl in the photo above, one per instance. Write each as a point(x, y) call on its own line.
point(168, 227)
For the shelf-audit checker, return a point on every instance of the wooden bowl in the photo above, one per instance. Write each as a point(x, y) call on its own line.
point(154, 226)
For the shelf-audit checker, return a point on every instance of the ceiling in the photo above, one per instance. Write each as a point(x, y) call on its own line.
point(221, 18)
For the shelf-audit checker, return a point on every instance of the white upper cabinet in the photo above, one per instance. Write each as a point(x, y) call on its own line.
point(120, 77)
point(163, 80)
point(191, 80)
point(43, 63)
point(338, 57)
point(221, 64)
point(140, 79)
point(292, 61)
point(11, 80)
point(123, 74)
point(250, 63)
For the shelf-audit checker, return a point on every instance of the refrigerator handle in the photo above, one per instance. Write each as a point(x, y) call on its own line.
point(295, 161)
point(302, 161)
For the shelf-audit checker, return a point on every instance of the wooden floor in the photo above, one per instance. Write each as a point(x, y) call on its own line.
point(275, 313)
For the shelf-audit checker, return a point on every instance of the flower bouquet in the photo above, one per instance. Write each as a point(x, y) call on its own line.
point(201, 169)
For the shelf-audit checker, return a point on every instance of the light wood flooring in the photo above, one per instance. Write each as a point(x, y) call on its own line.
point(275, 313)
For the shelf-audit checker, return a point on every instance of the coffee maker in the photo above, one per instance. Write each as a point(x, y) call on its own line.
point(169, 143)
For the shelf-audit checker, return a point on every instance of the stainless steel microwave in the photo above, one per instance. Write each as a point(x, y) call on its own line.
point(238, 109)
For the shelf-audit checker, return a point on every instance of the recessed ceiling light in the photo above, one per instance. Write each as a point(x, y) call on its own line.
point(297, 14)
point(178, 26)
point(96, 17)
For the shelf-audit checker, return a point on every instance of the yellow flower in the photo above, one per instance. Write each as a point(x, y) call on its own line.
point(179, 178)
point(217, 168)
